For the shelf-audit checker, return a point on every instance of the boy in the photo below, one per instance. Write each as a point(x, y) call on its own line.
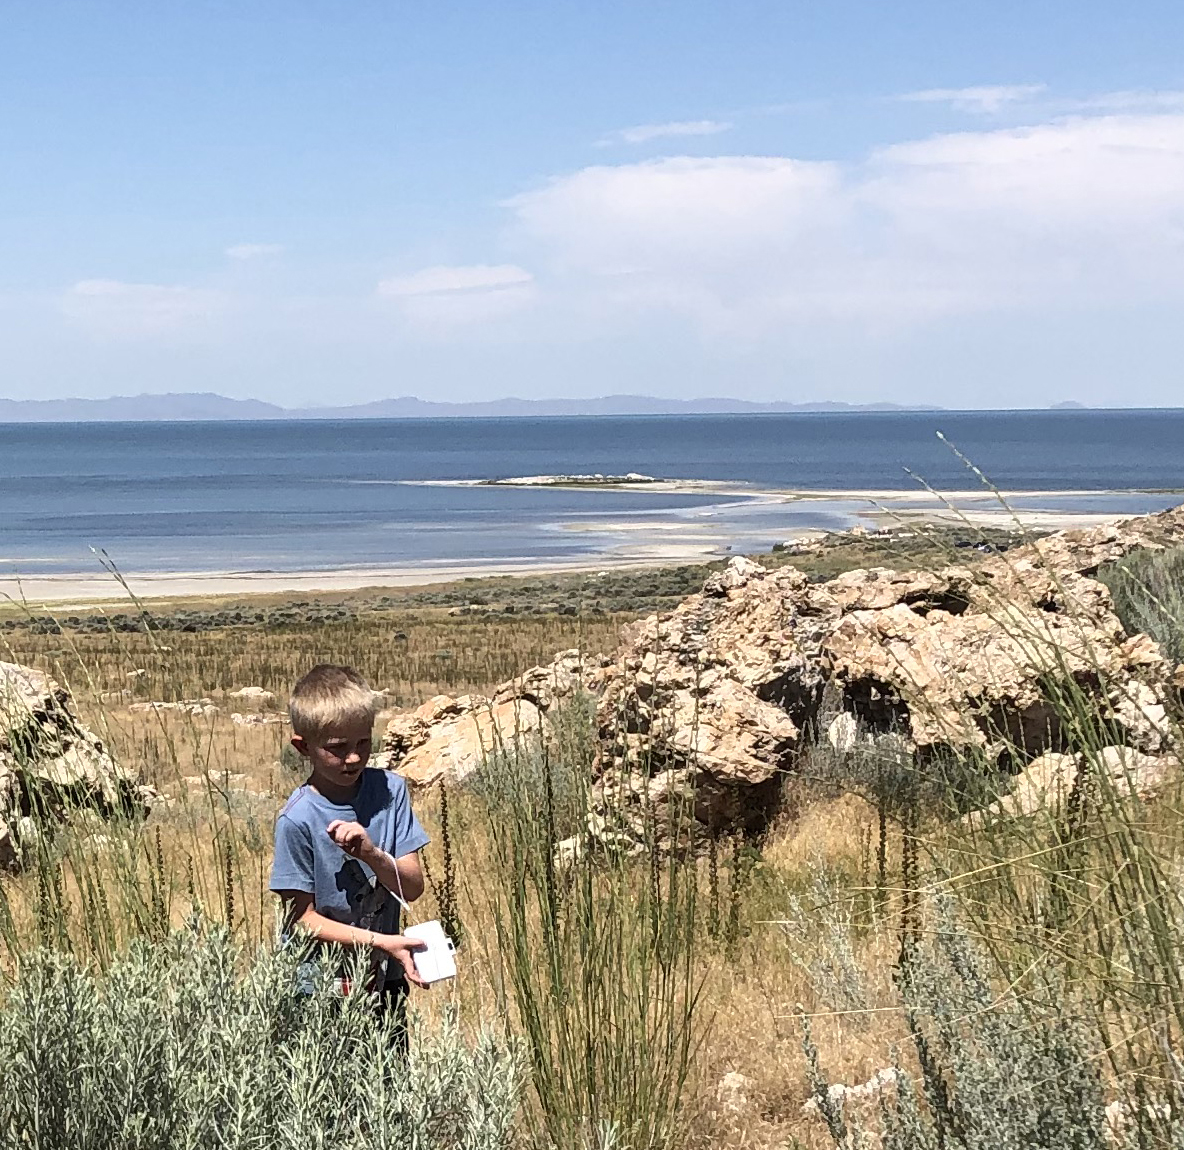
point(346, 841)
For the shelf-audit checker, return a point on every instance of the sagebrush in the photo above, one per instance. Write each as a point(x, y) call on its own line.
point(180, 1044)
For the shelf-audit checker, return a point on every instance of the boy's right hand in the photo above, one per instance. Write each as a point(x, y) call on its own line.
point(399, 947)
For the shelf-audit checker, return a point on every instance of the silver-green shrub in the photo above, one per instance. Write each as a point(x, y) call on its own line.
point(1148, 592)
point(993, 1066)
point(175, 1047)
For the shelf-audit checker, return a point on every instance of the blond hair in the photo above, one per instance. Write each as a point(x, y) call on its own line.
point(330, 697)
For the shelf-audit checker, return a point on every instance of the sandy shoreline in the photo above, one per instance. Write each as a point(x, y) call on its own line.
point(64, 590)
point(668, 543)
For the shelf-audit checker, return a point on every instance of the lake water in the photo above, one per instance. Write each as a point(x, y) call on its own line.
point(310, 495)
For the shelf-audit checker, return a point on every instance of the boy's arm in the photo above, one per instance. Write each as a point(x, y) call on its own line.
point(402, 876)
point(302, 912)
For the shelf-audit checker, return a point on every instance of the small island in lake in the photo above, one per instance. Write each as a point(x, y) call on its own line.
point(597, 480)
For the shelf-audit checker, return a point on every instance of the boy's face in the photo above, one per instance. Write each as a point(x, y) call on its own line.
point(338, 756)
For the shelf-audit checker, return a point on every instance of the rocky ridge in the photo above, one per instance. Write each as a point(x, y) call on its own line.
point(718, 697)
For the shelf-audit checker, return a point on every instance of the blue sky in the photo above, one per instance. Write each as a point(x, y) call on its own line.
point(967, 204)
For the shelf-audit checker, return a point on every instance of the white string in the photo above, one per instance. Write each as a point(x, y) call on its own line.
point(399, 897)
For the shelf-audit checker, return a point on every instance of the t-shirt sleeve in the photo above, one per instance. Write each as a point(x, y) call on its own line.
point(292, 867)
point(409, 835)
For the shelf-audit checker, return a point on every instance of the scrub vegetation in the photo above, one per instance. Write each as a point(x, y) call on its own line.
point(876, 969)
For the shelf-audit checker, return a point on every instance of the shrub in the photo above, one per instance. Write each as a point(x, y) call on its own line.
point(1148, 592)
point(993, 1065)
point(170, 1049)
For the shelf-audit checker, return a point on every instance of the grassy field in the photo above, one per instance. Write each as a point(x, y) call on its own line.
point(819, 920)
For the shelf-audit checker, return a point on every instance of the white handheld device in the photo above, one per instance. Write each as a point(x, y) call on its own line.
point(438, 961)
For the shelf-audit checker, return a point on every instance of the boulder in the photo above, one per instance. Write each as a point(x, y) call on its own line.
point(733, 1092)
point(1132, 771)
point(1048, 781)
point(50, 764)
point(257, 695)
point(843, 732)
point(450, 738)
point(866, 1095)
point(181, 707)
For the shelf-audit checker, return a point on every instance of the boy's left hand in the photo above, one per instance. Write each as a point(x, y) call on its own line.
point(351, 837)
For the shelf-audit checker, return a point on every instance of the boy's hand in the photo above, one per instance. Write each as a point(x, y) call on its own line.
point(399, 947)
point(352, 838)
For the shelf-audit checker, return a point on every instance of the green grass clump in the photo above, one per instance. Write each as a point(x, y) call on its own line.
point(1148, 592)
point(173, 1048)
point(595, 951)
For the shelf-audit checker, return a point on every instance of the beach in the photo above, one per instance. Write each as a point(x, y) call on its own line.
point(652, 542)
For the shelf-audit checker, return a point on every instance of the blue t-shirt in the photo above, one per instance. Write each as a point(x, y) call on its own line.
point(342, 887)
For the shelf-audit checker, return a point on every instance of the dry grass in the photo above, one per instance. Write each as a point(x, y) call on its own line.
point(411, 655)
point(755, 988)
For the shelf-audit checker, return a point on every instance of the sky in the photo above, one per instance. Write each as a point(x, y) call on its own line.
point(963, 204)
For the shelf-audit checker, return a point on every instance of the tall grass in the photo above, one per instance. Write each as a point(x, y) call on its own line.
point(607, 1017)
point(1087, 889)
point(91, 882)
point(596, 950)
point(1088, 893)
point(1040, 976)
point(610, 966)
point(94, 886)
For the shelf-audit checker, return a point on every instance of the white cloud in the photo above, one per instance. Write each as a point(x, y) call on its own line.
point(985, 100)
point(1079, 212)
point(443, 280)
point(1132, 100)
point(1019, 265)
point(254, 251)
point(715, 215)
point(644, 133)
point(117, 310)
point(444, 297)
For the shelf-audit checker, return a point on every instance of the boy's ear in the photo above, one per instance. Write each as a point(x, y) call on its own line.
point(299, 743)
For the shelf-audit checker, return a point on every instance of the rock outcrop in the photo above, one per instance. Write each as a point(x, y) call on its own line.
point(450, 738)
point(50, 764)
point(1049, 781)
point(715, 700)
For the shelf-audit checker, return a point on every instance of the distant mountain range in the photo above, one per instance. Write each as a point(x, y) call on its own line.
point(207, 405)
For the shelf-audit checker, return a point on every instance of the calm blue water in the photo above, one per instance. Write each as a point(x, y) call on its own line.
point(319, 494)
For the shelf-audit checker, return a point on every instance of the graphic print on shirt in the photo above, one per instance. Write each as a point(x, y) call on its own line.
point(369, 900)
